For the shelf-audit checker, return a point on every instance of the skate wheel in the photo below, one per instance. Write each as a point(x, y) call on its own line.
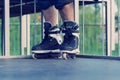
point(73, 56)
point(34, 56)
point(64, 56)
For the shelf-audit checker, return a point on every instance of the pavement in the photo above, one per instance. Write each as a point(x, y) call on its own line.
point(55, 69)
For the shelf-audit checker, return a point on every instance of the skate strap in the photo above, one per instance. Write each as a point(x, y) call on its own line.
point(70, 31)
point(52, 32)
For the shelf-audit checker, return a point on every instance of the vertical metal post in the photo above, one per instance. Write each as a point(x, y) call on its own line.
point(83, 19)
point(112, 24)
point(106, 20)
point(102, 18)
point(6, 28)
point(28, 34)
point(23, 33)
point(76, 16)
point(110, 27)
point(21, 30)
point(34, 34)
point(118, 4)
point(2, 35)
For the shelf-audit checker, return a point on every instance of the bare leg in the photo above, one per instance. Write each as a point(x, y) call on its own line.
point(67, 13)
point(51, 15)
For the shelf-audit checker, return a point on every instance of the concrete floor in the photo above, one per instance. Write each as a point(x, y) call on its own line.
point(53, 69)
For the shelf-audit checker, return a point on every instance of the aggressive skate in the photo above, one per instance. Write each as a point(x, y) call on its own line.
point(70, 45)
point(50, 43)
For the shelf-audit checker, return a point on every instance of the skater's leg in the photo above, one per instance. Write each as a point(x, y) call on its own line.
point(70, 29)
point(66, 9)
point(52, 38)
point(67, 13)
point(49, 11)
point(50, 15)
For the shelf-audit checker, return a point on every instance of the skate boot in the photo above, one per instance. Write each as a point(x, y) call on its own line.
point(51, 41)
point(70, 45)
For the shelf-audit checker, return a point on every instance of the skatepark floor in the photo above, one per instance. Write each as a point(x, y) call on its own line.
point(54, 69)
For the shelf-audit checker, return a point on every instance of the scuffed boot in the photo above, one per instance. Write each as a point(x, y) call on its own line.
point(51, 41)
